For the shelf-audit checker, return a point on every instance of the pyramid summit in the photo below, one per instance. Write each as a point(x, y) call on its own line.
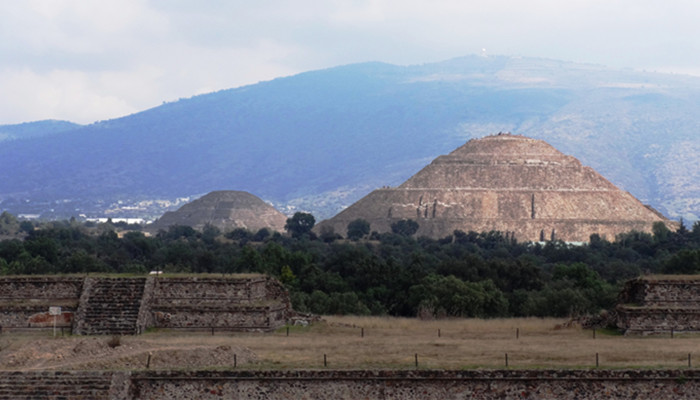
point(226, 210)
point(507, 183)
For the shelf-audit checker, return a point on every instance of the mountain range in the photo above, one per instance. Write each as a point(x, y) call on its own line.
point(320, 140)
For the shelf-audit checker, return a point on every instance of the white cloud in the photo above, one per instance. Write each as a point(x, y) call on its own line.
point(55, 95)
point(86, 60)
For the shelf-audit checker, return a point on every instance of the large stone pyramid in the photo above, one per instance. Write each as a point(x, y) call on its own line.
point(226, 210)
point(507, 183)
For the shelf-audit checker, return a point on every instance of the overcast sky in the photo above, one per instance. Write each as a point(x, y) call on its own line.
point(88, 60)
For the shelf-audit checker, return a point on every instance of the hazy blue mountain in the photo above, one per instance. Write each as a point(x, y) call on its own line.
point(320, 140)
point(35, 129)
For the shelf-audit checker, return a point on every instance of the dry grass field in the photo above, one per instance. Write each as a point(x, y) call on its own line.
point(465, 343)
point(387, 343)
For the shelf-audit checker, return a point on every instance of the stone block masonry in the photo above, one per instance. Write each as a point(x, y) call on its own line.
point(118, 306)
point(25, 301)
point(659, 305)
point(259, 303)
point(418, 384)
point(354, 384)
point(110, 306)
point(68, 385)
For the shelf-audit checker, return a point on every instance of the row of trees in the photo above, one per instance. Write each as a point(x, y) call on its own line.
point(466, 274)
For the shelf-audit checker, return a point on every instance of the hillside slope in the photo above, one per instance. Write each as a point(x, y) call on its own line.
point(320, 140)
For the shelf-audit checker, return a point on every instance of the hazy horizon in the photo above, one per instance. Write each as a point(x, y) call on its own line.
point(85, 61)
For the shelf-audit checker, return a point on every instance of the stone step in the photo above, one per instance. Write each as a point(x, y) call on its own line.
point(54, 385)
point(111, 327)
point(111, 333)
point(112, 310)
point(116, 314)
point(111, 316)
point(105, 306)
point(112, 294)
point(49, 384)
point(110, 320)
point(113, 306)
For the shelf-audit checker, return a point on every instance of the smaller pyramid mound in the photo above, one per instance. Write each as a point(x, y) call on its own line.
point(226, 210)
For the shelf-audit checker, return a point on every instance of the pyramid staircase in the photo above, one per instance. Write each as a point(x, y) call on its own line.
point(110, 306)
point(73, 385)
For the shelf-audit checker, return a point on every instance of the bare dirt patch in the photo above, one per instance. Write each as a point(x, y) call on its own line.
point(96, 353)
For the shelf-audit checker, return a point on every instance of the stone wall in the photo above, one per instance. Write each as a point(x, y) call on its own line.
point(354, 384)
point(25, 301)
point(420, 384)
point(666, 291)
point(259, 303)
point(231, 303)
point(659, 305)
point(213, 290)
point(66, 385)
point(40, 288)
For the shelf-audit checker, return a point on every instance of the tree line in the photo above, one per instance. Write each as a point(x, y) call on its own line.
point(465, 274)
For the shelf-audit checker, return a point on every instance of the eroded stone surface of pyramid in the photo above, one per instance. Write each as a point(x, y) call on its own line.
point(226, 210)
point(508, 183)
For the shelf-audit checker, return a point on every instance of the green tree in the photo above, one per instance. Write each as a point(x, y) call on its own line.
point(287, 276)
point(26, 226)
point(357, 229)
point(261, 235)
point(8, 224)
point(450, 296)
point(300, 224)
point(684, 262)
point(239, 234)
point(4, 267)
point(318, 302)
point(660, 231)
point(405, 227)
point(328, 234)
point(210, 233)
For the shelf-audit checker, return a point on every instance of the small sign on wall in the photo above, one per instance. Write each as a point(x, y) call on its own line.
point(54, 311)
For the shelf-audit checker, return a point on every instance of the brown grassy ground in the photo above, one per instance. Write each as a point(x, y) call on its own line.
point(387, 343)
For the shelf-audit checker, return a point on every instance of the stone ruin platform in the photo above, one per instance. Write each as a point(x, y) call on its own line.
point(130, 305)
point(352, 384)
point(661, 304)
